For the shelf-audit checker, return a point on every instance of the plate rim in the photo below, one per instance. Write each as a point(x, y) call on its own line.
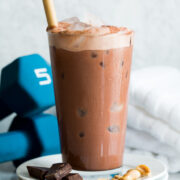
point(106, 171)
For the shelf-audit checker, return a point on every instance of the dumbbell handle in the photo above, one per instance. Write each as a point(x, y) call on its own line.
point(13, 145)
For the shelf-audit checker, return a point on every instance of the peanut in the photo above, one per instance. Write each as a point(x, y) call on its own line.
point(133, 174)
point(144, 170)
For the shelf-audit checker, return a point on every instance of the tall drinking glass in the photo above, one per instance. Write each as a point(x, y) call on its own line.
point(91, 70)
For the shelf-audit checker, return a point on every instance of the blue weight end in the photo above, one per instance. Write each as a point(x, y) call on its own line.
point(27, 86)
point(13, 145)
point(41, 134)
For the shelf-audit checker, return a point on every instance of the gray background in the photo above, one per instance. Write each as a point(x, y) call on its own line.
point(155, 22)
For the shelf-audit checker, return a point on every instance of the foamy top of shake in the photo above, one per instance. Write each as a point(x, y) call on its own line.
point(74, 35)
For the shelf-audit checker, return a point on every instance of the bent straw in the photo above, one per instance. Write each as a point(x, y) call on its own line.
point(50, 13)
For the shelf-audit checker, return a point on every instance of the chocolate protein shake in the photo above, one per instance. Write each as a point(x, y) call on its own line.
point(91, 69)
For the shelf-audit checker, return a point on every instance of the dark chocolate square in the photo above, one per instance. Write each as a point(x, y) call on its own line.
point(37, 172)
point(58, 171)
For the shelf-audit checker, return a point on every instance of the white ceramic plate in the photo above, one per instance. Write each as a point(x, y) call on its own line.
point(159, 171)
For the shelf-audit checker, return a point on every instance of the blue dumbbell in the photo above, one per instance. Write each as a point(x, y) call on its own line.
point(26, 86)
point(29, 138)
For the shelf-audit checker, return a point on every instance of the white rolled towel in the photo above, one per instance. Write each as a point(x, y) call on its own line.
point(142, 142)
point(157, 91)
point(154, 113)
point(140, 120)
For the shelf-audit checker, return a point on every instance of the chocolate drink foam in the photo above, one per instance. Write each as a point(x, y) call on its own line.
point(78, 36)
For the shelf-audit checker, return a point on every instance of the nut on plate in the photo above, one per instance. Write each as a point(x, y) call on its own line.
point(144, 170)
point(117, 177)
point(134, 174)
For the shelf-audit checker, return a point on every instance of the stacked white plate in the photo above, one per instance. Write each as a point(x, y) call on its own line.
point(158, 169)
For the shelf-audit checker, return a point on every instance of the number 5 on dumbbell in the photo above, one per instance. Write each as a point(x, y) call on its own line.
point(42, 73)
point(26, 86)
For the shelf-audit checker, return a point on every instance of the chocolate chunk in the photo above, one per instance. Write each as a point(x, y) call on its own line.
point(54, 48)
point(72, 176)
point(82, 112)
point(102, 64)
point(37, 172)
point(62, 75)
point(122, 63)
point(58, 171)
point(107, 51)
point(81, 134)
point(94, 55)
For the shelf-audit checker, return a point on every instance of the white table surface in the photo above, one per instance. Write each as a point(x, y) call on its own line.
point(7, 172)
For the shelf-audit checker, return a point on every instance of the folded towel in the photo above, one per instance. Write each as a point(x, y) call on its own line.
point(154, 113)
point(157, 91)
point(140, 120)
point(141, 142)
